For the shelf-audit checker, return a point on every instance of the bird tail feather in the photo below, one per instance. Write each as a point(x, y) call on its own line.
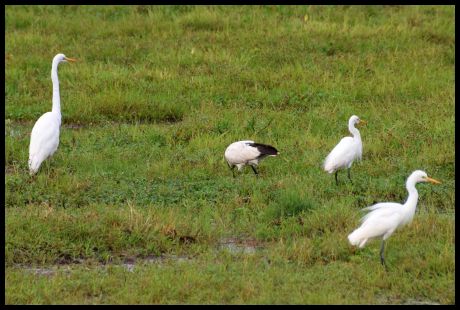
point(265, 149)
point(328, 166)
point(356, 238)
point(34, 164)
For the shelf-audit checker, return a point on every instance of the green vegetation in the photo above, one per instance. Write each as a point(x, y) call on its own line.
point(157, 95)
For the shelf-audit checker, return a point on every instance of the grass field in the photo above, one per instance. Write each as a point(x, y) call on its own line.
point(138, 205)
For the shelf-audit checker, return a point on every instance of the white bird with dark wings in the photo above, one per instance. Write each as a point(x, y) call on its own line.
point(247, 152)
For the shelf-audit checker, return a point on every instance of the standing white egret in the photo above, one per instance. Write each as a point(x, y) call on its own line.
point(44, 138)
point(386, 217)
point(346, 151)
point(247, 152)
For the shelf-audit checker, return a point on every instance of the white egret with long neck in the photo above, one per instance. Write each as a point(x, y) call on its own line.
point(346, 151)
point(386, 217)
point(44, 139)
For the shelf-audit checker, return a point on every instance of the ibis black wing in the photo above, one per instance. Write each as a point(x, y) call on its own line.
point(264, 149)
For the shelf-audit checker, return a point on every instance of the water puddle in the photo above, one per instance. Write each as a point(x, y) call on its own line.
point(129, 264)
point(42, 271)
point(419, 302)
point(233, 245)
point(15, 133)
point(47, 271)
point(239, 246)
point(384, 300)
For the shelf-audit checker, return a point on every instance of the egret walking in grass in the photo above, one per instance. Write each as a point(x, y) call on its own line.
point(348, 150)
point(44, 139)
point(247, 152)
point(385, 217)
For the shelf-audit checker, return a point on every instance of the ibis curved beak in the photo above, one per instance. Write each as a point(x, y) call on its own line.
point(428, 179)
point(70, 59)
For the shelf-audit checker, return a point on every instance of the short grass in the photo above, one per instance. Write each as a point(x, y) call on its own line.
point(157, 95)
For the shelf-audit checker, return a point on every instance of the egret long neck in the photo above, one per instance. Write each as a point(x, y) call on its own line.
point(412, 199)
point(55, 80)
point(354, 131)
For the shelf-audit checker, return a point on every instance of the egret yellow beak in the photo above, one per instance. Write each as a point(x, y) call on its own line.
point(362, 122)
point(70, 59)
point(432, 180)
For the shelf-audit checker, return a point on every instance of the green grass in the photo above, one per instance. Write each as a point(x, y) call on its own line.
point(157, 95)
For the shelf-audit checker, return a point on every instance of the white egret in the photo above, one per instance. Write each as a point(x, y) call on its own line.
point(346, 151)
point(386, 217)
point(44, 138)
point(247, 152)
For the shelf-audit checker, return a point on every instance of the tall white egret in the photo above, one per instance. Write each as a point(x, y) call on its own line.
point(346, 151)
point(247, 152)
point(44, 138)
point(386, 217)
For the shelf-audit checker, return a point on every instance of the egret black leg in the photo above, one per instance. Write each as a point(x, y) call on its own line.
point(232, 169)
point(336, 181)
point(33, 177)
point(255, 171)
point(47, 164)
point(382, 258)
point(349, 177)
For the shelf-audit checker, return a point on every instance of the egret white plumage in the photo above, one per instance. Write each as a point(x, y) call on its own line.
point(44, 139)
point(247, 152)
point(346, 151)
point(385, 217)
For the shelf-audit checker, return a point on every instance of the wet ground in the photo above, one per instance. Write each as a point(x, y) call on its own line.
point(233, 245)
point(238, 245)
